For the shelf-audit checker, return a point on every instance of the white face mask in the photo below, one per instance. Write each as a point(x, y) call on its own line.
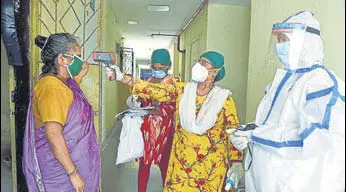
point(199, 73)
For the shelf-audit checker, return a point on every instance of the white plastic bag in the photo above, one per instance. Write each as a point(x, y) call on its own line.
point(131, 144)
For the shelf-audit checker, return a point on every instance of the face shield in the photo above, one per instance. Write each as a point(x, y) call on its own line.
point(286, 44)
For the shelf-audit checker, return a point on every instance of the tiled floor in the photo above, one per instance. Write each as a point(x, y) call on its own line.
point(123, 178)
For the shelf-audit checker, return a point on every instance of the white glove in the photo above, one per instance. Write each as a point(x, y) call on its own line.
point(234, 174)
point(240, 138)
point(132, 102)
point(114, 73)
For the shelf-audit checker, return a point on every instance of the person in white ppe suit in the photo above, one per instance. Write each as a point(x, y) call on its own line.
point(297, 141)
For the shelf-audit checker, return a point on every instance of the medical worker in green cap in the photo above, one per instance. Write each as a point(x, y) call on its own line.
point(158, 125)
point(201, 151)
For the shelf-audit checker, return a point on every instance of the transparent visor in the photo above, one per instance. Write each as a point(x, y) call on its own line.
point(286, 44)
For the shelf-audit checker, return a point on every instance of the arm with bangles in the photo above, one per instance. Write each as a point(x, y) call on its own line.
point(160, 92)
point(162, 109)
point(55, 136)
point(168, 108)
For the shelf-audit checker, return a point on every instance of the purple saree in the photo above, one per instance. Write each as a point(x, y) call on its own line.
point(42, 171)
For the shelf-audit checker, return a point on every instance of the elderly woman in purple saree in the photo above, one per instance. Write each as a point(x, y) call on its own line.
point(73, 163)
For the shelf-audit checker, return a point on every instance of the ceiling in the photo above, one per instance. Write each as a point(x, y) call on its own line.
point(139, 36)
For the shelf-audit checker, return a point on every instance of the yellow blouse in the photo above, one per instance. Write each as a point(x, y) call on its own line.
point(51, 100)
point(197, 162)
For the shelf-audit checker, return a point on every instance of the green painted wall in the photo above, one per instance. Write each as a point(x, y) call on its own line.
point(176, 56)
point(5, 102)
point(331, 15)
point(194, 41)
point(226, 29)
point(114, 94)
point(181, 60)
point(228, 33)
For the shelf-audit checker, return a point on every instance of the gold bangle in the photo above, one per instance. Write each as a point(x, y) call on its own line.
point(72, 172)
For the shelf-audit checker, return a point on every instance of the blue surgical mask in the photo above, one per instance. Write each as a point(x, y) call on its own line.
point(282, 51)
point(159, 74)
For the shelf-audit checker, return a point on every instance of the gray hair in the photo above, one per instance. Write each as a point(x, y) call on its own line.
point(51, 47)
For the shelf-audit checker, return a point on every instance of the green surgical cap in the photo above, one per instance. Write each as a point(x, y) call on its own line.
point(161, 56)
point(217, 60)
